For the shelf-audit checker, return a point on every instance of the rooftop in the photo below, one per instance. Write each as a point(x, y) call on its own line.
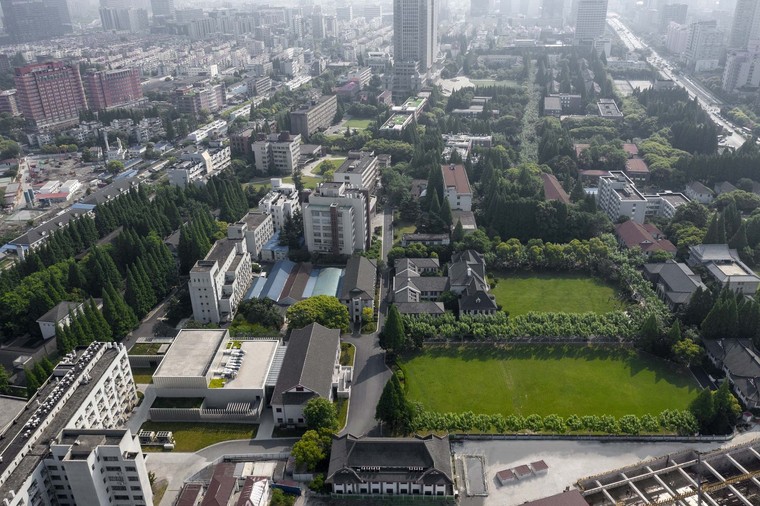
point(455, 176)
point(356, 163)
point(553, 189)
point(254, 368)
point(191, 353)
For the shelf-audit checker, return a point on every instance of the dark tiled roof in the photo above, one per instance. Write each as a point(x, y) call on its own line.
point(741, 359)
point(680, 281)
point(359, 279)
point(308, 361)
point(418, 459)
point(221, 487)
point(59, 312)
point(478, 300)
point(423, 307)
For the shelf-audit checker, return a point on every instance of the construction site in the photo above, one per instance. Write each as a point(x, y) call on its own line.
point(724, 477)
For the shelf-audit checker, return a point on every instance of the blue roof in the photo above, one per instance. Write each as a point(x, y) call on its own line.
point(328, 282)
point(274, 244)
point(84, 207)
point(255, 291)
point(308, 290)
point(276, 280)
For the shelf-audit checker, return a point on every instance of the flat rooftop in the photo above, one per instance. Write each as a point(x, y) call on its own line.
point(732, 270)
point(191, 353)
point(255, 364)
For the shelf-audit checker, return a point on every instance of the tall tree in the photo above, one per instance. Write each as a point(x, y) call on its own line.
point(393, 336)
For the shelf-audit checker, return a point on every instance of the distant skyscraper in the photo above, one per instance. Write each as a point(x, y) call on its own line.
point(415, 32)
point(552, 12)
point(672, 13)
point(480, 8)
point(162, 8)
point(28, 20)
point(590, 21)
point(704, 45)
point(124, 19)
point(50, 94)
point(746, 25)
point(415, 43)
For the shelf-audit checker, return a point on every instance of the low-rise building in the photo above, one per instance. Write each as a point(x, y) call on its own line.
point(425, 239)
point(412, 105)
point(219, 281)
point(664, 204)
point(360, 170)
point(391, 466)
point(60, 314)
point(358, 286)
point(725, 267)
point(397, 123)
point(608, 109)
point(456, 187)
point(310, 368)
point(698, 192)
point(227, 377)
point(674, 281)
point(647, 237)
point(740, 360)
point(553, 189)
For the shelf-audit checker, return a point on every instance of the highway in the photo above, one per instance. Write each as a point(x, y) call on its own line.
point(709, 103)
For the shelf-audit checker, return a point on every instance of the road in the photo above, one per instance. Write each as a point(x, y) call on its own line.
point(370, 371)
point(146, 326)
point(707, 100)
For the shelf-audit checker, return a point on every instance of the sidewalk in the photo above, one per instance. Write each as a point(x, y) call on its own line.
point(266, 425)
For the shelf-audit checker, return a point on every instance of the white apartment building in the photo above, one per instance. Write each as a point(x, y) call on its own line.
point(186, 172)
point(215, 128)
point(336, 219)
point(198, 165)
point(281, 202)
point(256, 229)
point(704, 46)
point(456, 187)
point(50, 452)
point(360, 170)
point(742, 70)
point(665, 204)
point(219, 281)
point(279, 151)
point(618, 196)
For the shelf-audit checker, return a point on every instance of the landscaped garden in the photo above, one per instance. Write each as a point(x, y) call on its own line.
point(543, 380)
point(191, 437)
point(555, 292)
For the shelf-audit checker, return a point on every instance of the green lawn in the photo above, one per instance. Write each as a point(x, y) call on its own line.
point(145, 349)
point(493, 82)
point(403, 228)
point(546, 379)
point(191, 437)
point(569, 293)
point(358, 123)
point(143, 375)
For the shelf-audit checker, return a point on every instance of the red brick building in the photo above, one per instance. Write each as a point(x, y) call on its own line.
point(50, 94)
point(108, 89)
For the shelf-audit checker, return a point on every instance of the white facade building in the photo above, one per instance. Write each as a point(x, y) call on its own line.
point(219, 281)
point(590, 21)
point(360, 170)
point(256, 228)
point(456, 187)
point(336, 219)
point(279, 151)
point(618, 197)
point(50, 452)
point(281, 202)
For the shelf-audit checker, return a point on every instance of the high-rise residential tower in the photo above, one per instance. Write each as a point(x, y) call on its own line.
point(415, 43)
point(50, 94)
point(746, 25)
point(28, 20)
point(162, 8)
point(107, 89)
point(590, 21)
point(552, 12)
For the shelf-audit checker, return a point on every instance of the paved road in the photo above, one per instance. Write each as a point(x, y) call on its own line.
point(370, 371)
point(146, 326)
point(707, 100)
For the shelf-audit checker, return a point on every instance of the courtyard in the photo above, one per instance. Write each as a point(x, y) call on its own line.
point(555, 292)
point(545, 379)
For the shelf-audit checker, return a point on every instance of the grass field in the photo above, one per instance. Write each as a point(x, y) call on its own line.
point(569, 293)
point(403, 228)
point(191, 437)
point(143, 375)
point(358, 123)
point(565, 380)
point(493, 82)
